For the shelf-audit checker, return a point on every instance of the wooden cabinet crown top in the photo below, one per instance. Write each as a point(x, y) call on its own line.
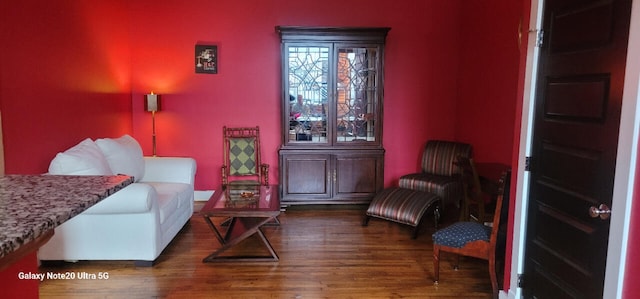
point(332, 33)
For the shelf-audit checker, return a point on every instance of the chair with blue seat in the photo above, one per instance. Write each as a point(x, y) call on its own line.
point(473, 239)
point(440, 174)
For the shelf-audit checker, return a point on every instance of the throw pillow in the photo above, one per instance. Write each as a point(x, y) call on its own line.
point(85, 158)
point(124, 155)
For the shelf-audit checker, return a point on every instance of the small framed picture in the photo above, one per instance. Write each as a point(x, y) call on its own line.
point(206, 59)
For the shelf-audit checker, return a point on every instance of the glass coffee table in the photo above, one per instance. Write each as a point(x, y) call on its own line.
point(248, 208)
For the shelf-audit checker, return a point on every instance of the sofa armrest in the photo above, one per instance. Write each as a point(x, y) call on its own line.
point(169, 169)
point(134, 198)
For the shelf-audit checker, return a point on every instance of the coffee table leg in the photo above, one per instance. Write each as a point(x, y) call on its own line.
point(227, 243)
point(215, 230)
point(266, 242)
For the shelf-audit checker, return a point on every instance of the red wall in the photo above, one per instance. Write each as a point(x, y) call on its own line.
point(488, 78)
point(631, 287)
point(420, 76)
point(64, 76)
point(491, 74)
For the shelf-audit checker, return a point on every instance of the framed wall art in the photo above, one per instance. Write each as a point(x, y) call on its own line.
point(206, 59)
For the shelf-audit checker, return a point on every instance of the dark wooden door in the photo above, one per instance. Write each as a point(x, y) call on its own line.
point(579, 95)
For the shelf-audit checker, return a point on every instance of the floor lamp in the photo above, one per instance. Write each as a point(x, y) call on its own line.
point(152, 104)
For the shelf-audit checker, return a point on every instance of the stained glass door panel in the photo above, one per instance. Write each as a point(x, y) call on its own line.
point(358, 89)
point(308, 69)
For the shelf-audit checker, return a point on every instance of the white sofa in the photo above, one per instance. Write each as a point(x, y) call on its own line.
point(136, 223)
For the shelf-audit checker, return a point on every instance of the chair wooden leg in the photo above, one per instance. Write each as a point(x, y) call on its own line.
point(365, 220)
point(436, 217)
point(414, 234)
point(464, 210)
point(481, 213)
point(436, 264)
point(494, 279)
point(456, 266)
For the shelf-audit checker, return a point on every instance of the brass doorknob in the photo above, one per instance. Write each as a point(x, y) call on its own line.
point(602, 211)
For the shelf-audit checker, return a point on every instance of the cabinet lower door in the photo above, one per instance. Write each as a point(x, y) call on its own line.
point(341, 177)
point(305, 177)
point(358, 176)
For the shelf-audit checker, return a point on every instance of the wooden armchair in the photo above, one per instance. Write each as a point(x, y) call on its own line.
point(473, 203)
point(242, 163)
point(440, 174)
point(473, 239)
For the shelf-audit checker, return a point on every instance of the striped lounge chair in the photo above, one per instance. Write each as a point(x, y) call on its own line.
point(440, 175)
point(403, 206)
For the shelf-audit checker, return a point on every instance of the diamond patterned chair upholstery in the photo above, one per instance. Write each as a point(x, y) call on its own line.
point(440, 174)
point(473, 239)
point(242, 164)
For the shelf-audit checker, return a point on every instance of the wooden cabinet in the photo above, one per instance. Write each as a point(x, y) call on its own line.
point(330, 176)
point(332, 94)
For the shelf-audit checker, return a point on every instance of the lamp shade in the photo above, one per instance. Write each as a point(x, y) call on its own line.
point(152, 102)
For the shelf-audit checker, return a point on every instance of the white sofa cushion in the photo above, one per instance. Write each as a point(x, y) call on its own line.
point(171, 197)
point(132, 199)
point(124, 155)
point(85, 158)
point(169, 170)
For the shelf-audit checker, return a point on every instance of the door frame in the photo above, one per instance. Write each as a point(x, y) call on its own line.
point(625, 163)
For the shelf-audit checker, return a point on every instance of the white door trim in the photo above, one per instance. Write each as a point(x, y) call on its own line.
point(526, 135)
point(625, 165)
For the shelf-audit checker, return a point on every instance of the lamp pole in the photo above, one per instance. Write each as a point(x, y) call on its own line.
point(153, 132)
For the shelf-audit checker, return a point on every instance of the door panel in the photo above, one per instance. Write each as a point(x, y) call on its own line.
point(307, 175)
point(589, 93)
point(580, 26)
point(359, 175)
point(574, 146)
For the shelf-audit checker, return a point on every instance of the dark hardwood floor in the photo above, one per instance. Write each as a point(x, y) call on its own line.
point(324, 253)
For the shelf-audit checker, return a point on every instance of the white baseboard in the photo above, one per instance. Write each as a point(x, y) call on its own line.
point(202, 195)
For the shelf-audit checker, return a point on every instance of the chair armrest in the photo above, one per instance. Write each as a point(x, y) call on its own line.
point(134, 198)
point(265, 173)
point(169, 169)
